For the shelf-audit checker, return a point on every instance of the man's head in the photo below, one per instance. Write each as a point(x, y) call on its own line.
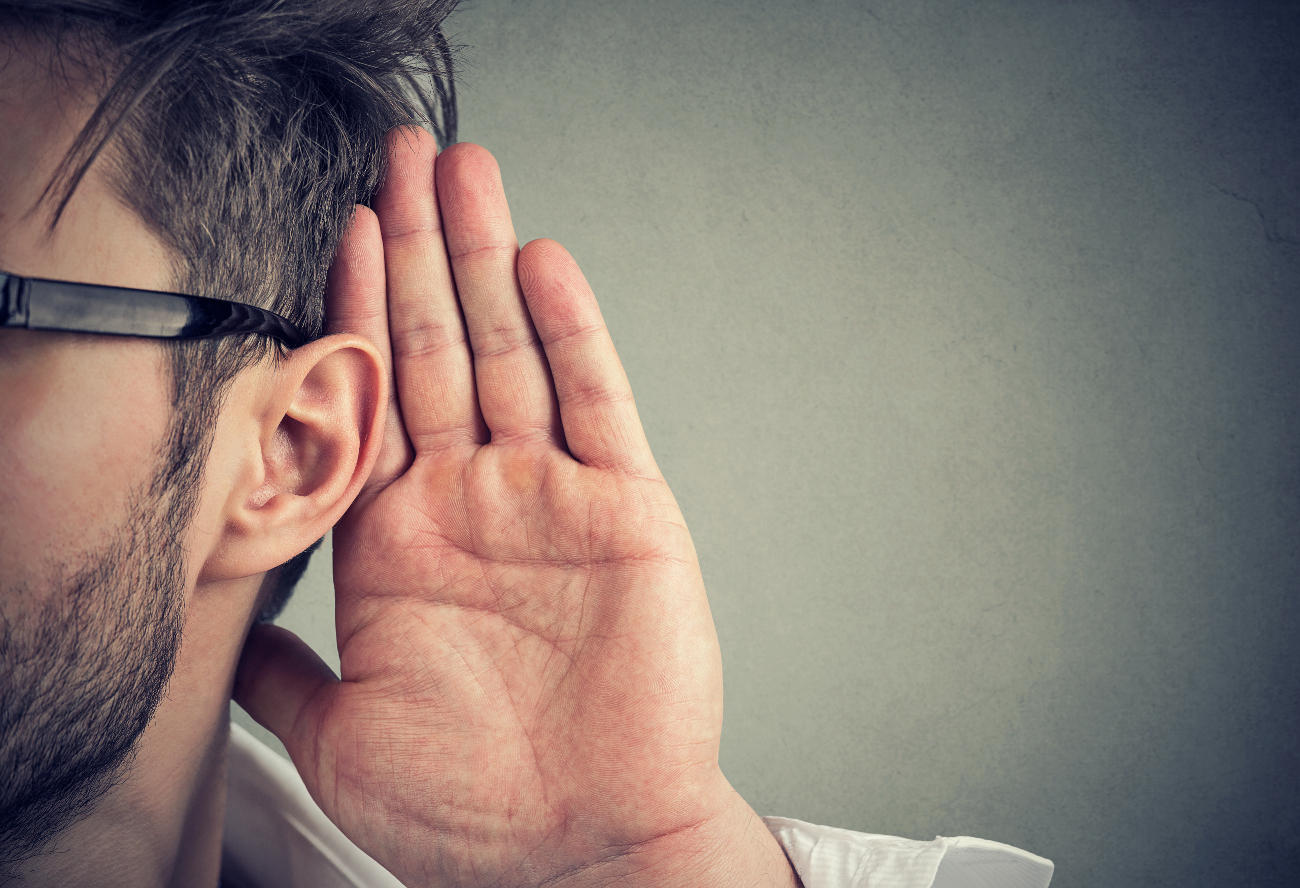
point(216, 149)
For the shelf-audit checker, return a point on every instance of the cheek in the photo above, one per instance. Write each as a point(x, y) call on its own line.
point(78, 432)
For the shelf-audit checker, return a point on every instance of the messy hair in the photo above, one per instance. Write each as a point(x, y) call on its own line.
point(243, 131)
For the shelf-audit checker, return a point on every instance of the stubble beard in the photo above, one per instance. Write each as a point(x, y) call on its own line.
point(82, 675)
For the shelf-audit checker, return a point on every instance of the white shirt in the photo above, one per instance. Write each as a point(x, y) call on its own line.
point(277, 837)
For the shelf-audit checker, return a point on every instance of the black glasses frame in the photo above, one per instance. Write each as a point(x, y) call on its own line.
point(43, 304)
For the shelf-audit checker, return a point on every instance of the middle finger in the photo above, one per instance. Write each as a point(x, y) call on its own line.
point(515, 392)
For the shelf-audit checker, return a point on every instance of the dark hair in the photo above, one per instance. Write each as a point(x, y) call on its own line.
point(245, 132)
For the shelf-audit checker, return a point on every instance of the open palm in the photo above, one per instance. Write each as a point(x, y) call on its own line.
point(530, 676)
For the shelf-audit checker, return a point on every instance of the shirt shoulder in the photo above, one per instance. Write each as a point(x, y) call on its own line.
point(831, 857)
point(276, 836)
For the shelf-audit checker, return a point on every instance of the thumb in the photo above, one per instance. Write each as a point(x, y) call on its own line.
point(284, 685)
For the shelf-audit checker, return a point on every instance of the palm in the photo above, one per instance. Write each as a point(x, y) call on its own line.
point(526, 648)
point(538, 633)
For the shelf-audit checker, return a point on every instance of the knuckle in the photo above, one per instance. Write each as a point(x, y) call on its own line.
point(596, 395)
point(502, 340)
point(419, 235)
point(577, 334)
point(482, 252)
point(426, 338)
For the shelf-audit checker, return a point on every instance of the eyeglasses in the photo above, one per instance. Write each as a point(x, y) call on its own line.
point(41, 304)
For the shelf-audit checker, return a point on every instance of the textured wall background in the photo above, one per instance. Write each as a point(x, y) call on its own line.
point(968, 338)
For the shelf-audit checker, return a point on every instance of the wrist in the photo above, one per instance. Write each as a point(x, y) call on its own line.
point(734, 849)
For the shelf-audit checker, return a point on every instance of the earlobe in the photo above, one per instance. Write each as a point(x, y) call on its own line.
point(311, 442)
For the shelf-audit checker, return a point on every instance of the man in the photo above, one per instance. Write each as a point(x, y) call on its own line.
point(531, 682)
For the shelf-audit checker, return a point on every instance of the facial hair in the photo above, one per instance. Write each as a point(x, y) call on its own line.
point(82, 675)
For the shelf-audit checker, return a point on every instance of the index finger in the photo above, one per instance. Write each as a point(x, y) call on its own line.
point(355, 303)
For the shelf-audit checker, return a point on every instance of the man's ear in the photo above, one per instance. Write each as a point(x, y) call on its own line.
point(302, 441)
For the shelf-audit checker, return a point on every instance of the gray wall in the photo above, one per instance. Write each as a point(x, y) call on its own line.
point(966, 336)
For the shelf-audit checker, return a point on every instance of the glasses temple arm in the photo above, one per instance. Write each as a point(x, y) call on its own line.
point(14, 306)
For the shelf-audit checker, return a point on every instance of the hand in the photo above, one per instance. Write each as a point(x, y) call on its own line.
point(531, 682)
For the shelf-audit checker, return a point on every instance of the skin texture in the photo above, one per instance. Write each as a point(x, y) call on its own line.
point(531, 687)
point(92, 575)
